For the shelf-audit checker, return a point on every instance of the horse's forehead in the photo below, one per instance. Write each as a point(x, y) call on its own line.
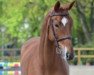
point(57, 18)
point(61, 18)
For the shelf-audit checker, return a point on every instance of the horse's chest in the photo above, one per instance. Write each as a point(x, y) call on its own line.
point(58, 69)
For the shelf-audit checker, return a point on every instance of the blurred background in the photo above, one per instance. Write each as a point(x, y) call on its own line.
point(22, 19)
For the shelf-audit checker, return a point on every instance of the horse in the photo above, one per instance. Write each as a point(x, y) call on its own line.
point(49, 54)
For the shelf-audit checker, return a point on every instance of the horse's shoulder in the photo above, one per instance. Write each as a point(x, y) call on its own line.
point(30, 43)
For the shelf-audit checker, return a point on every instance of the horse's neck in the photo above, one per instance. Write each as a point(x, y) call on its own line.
point(51, 61)
point(51, 58)
point(49, 53)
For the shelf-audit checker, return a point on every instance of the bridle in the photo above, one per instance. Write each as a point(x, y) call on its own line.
point(52, 26)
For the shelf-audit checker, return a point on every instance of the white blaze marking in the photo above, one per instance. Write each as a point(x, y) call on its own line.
point(64, 20)
point(65, 52)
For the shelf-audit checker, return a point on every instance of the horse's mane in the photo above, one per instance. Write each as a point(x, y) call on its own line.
point(44, 31)
point(45, 47)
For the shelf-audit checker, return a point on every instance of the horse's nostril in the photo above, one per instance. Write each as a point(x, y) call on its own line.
point(70, 56)
point(67, 55)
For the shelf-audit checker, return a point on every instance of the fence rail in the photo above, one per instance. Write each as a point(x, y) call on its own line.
point(10, 54)
point(79, 55)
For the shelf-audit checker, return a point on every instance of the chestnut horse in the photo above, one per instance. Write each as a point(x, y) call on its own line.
point(48, 54)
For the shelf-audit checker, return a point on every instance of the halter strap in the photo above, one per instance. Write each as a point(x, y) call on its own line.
point(56, 41)
point(58, 14)
point(64, 38)
point(55, 36)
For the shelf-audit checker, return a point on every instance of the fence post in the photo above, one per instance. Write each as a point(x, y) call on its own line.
point(79, 56)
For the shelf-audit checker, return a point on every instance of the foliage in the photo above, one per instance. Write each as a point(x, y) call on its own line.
point(22, 19)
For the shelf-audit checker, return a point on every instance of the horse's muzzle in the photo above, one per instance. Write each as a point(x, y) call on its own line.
point(70, 56)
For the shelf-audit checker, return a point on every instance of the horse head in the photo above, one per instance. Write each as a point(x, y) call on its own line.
point(60, 26)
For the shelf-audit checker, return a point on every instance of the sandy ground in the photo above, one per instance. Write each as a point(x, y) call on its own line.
point(74, 70)
point(81, 70)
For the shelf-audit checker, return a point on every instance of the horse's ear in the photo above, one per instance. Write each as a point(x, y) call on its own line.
point(71, 5)
point(57, 6)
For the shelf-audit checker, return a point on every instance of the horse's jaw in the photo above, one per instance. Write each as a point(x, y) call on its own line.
point(62, 52)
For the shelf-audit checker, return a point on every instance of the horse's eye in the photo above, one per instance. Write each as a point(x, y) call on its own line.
point(56, 25)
